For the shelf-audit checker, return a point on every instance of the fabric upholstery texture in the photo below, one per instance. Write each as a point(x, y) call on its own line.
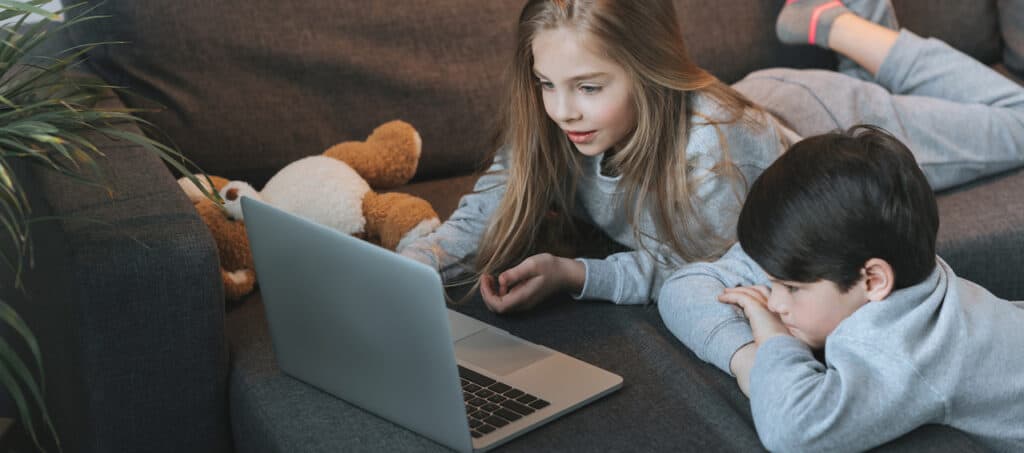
point(125, 299)
point(137, 333)
point(670, 400)
point(251, 87)
point(981, 233)
point(972, 27)
point(1011, 27)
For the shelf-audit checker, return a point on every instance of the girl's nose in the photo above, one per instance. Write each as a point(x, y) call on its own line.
point(566, 109)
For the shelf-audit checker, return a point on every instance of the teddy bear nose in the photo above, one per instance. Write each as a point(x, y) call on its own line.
point(231, 194)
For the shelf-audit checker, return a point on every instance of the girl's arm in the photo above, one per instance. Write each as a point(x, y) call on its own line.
point(458, 237)
point(864, 396)
point(637, 277)
point(687, 293)
point(625, 278)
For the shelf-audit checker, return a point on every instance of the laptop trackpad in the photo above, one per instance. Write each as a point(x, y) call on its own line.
point(498, 352)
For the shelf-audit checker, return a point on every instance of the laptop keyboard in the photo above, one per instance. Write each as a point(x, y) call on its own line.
point(491, 405)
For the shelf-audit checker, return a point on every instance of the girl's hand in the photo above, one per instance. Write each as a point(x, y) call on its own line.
point(754, 302)
point(530, 282)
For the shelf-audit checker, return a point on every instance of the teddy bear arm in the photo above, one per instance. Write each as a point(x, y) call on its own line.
point(391, 216)
point(237, 284)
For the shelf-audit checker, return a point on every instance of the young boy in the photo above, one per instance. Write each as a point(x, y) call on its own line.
point(843, 226)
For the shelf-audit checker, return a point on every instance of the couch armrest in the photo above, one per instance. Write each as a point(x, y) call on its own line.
point(126, 299)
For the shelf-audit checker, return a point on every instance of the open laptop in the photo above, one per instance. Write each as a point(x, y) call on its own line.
point(371, 327)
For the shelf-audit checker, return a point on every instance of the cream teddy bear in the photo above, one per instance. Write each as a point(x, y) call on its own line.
point(337, 189)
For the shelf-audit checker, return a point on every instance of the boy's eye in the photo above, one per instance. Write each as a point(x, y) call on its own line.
point(790, 288)
point(590, 89)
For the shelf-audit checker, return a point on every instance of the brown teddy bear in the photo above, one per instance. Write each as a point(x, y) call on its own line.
point(335, 189)
point(236, 268)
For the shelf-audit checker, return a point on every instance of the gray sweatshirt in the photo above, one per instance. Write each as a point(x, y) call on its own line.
point(632, 277)
point(944, 351)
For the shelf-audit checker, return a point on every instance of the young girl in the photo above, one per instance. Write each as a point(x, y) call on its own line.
point(607, 121)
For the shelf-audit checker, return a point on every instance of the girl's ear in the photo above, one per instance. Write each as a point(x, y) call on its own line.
point(878, 279)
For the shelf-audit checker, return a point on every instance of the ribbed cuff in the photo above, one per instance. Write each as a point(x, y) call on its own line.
point(419, 255)
point(725, 340)
point(771, 351)
point(600, 281)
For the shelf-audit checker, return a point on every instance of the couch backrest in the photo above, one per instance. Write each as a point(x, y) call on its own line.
point(249, 86)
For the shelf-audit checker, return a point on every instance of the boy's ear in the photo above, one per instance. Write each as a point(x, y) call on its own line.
point(878, 279)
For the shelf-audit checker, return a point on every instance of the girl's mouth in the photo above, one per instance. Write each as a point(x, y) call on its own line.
point(580, 138)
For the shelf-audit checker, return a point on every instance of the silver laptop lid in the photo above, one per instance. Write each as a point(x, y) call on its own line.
point(342, 320)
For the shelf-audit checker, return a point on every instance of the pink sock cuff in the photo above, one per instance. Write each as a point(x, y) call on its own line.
point(816, 14)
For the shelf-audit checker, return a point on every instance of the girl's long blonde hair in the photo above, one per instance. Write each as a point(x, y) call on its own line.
point(644, 37)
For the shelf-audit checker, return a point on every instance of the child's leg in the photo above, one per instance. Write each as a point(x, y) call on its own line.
point(880, 12)
point(816, 21)
point(864, 42)
point(962, 119)
point(810, 21)
point(861, 30)
point(1011, 24)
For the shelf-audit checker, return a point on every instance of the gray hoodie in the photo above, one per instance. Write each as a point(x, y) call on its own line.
point(632, 277)
point(943, 351)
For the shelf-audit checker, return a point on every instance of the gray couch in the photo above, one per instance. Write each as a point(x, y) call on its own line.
point(143, 355)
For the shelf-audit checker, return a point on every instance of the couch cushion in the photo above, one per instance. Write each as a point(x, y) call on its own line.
point(1011, 16)
point(251, 86)
point(972, 27)
point(981, 233)
point(670, 401)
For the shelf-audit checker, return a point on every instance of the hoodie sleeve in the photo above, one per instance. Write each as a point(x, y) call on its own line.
point(862, 397)
point(636, 277)
point(626, 278)
point(453, 244)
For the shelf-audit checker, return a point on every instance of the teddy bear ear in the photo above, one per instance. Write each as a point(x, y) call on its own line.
point(387, 159)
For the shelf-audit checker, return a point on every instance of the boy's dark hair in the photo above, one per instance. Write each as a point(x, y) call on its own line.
point(833, 201)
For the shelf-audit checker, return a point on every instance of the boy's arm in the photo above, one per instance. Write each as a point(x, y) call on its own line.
point(863, 397)
point(689, 306)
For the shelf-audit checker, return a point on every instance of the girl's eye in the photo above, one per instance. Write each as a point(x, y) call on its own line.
point(590, 89)
point(545, 85)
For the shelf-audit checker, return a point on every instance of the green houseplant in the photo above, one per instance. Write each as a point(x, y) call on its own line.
point(47, 116)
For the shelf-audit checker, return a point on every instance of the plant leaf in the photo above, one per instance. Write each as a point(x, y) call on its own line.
point(29, 7)
point(21, 371)
point(14, 390)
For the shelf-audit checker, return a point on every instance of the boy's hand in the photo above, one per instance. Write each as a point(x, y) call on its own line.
point(530, 282)
point(754, 302)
